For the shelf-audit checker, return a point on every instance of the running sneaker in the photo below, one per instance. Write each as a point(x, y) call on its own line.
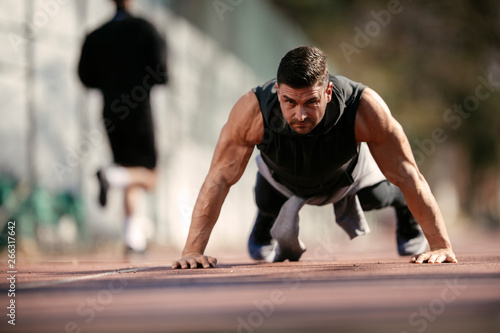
point(260, 243)
point(103, 187)
point(409, 235)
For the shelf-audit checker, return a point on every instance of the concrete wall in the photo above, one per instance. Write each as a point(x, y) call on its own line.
point(50, 126)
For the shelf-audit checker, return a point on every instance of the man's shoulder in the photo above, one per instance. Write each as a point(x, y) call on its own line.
point(346, 89)
point(268, 87)
point(133, 21)
point(266, 94)
point(245, 120)
point(341, 81)
point(142, 22)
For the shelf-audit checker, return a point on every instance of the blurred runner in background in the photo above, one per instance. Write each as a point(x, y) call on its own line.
point(124, 59)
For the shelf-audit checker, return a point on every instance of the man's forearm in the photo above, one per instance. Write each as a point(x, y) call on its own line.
point(205, 214)
point(435, 232)
point(199, 234)
point(425, 209)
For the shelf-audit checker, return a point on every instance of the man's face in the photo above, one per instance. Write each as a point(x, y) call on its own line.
point(304, 108)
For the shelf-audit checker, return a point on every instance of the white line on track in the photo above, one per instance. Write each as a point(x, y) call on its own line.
point(39, 284)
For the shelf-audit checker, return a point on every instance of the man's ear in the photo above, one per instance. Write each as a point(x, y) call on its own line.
point(277, 91)
point(329, 91)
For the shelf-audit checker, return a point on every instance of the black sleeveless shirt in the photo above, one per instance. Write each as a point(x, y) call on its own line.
point(320, 162)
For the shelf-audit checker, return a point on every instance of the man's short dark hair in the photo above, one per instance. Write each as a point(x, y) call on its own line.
point(303, 67)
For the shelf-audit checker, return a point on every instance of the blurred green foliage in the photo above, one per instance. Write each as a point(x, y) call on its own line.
point(35, 208)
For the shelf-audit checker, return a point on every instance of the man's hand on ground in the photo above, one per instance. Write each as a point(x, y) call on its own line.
point(435, 257)
point(194, 260)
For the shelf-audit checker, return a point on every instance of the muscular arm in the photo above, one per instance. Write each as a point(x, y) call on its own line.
point(243, 130)
point(391, 150)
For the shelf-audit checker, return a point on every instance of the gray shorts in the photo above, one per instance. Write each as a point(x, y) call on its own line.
point(349, 214)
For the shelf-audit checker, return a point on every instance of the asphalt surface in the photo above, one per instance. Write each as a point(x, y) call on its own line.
point(327, 291)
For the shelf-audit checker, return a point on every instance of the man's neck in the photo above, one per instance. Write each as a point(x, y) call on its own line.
point(121, 14)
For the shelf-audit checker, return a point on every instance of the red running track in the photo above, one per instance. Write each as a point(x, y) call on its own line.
point(345, 291)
